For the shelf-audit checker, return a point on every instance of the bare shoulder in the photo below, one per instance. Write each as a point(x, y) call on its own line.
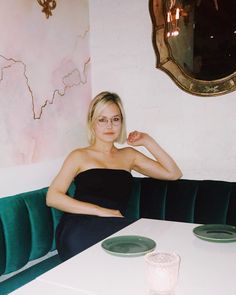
point(78, 152)
point(76, 157)
point(75, 154)
point(129, 152)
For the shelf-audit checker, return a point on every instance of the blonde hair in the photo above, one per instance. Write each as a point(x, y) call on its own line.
point(99, 102)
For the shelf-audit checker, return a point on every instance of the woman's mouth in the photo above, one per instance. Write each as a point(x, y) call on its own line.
point(109, 133)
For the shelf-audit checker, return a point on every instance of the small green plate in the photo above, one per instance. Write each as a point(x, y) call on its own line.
point(128, 245)
point(220, 233)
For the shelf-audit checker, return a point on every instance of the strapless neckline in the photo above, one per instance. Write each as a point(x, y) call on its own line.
point(102, 169)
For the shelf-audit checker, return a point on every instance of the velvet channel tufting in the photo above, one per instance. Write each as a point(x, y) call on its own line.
point(27, 225)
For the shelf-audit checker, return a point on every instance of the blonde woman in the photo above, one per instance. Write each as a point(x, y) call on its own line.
point(102, 175)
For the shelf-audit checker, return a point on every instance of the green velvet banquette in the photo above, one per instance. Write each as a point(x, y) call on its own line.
point(27, 225)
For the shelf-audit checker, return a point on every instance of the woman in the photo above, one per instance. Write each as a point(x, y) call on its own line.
point(101, 173)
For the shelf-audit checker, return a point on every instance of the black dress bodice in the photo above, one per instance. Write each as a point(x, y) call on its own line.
point(109, 188)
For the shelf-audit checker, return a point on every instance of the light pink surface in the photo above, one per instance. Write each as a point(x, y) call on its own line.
point(44, 80)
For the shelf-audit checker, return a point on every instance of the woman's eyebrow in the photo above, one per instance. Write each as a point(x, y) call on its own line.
point(118, 115)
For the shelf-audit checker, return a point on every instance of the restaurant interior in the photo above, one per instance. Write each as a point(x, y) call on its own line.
point(172, 62)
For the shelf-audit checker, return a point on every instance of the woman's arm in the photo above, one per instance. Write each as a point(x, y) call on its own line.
point(163, 167)
point(57, 198)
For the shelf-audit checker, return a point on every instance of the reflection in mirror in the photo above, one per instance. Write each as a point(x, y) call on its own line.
point(195, 43)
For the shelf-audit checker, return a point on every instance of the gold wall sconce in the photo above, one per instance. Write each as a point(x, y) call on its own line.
point(48, 6)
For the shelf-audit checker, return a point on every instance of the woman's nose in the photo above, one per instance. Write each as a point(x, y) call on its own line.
point(109, 123)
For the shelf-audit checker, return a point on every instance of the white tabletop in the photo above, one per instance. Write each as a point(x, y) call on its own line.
point(207, 268)
point(37, 287)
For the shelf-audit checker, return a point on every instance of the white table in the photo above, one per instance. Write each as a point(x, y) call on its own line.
point(37, 287)
point(206, 268)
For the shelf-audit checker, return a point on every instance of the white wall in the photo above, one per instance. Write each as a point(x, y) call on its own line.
point(19, 179)
point(200, 133)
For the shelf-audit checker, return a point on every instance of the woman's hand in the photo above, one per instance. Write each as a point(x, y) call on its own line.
point(137, 138)
point(104, 212)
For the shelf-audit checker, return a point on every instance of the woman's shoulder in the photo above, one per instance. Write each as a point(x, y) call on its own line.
point(129, 153)
point(78, 153)
point(75, 159)
point(128, 150)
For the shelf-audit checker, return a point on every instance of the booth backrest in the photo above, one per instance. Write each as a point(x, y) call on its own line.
point(27, 225)
point(196, 201)
point(27, 228)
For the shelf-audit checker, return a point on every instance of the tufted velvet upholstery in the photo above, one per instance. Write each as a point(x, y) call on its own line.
point(26, 231)
point(27, 225)
point(27, 228)
point(196, 201)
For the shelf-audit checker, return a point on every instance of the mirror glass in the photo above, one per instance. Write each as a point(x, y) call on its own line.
point(195, 43)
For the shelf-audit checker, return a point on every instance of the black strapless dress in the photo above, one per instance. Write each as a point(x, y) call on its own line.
point(109, 188)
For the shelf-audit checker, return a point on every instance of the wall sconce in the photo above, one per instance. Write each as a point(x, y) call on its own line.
point(173, 22)
point(48, 6)
point(174, 12)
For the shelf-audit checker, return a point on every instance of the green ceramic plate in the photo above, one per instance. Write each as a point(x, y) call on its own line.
point(128, 245)
point(216, 233)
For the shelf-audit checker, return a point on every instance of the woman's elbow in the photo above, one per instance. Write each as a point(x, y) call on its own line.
point(49, 199)
point(176, 175)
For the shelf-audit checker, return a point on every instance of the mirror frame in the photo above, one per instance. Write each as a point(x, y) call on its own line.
point(166, 62)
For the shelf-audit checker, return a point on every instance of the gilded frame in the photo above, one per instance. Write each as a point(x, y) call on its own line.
point(166, 62)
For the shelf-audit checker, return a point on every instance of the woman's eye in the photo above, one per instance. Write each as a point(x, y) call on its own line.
point(102, 120)
point(116, 119)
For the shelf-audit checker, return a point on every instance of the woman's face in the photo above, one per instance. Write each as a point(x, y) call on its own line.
point(107, 125)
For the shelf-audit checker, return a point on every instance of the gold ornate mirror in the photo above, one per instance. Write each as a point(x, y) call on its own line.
point(195, 43)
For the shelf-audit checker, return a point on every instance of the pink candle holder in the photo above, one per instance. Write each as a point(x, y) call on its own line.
point(162, 272)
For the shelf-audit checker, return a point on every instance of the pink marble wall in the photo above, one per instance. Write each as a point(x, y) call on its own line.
point(45, 85)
